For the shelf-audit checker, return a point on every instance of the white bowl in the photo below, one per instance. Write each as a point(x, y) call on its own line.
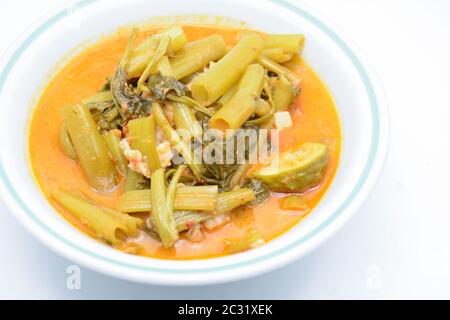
point(29, 62)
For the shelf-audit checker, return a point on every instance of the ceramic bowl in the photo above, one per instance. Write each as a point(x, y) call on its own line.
point(30, 62)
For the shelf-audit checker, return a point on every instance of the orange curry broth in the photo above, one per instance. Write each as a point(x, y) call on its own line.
point(313, 113)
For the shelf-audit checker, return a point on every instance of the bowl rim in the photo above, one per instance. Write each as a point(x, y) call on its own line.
point(297, 249)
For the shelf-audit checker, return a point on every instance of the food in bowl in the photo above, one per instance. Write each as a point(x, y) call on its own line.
point(186, 142)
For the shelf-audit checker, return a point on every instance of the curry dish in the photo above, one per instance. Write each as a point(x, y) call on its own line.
point(115, 140)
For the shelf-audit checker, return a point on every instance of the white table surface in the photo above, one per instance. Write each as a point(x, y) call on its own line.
point(397, 246)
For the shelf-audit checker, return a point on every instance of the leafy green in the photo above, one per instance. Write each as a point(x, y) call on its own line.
point(129, 103)
point(142, 183)
point(222, 173)
point(262, 193)
point(219, 173)
point(160, 86)
point(106, 115)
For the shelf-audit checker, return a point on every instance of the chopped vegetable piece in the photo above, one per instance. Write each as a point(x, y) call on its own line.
point(140, 56)
point(212, 84)
point(283, 93)
point(294, 202)
point(172, 189)
point(152, 64)
point(175, 139)
point(164, 67)
point(197, 55)
point(142, 137)
point(184, 220)
point(262, 107)
point(99, 97)
point(136, 181)
point(298, 169)
point(281, 71)
point(164, 219)
point(230, 200)
point(261, 192)
point(290, 43)
point(107, 224)
point(90, 147)
point(277, 54)
point(197, 198)
point(112, 139)
point(190, 103)
point(185, 120)
point(129, 103)
point(243, 104)
point(66, 143)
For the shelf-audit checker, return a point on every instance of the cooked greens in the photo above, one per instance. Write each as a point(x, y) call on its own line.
point(168, 99)
point(262, 193)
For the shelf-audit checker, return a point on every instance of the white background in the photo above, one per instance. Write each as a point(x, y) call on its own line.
point(397, 246)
